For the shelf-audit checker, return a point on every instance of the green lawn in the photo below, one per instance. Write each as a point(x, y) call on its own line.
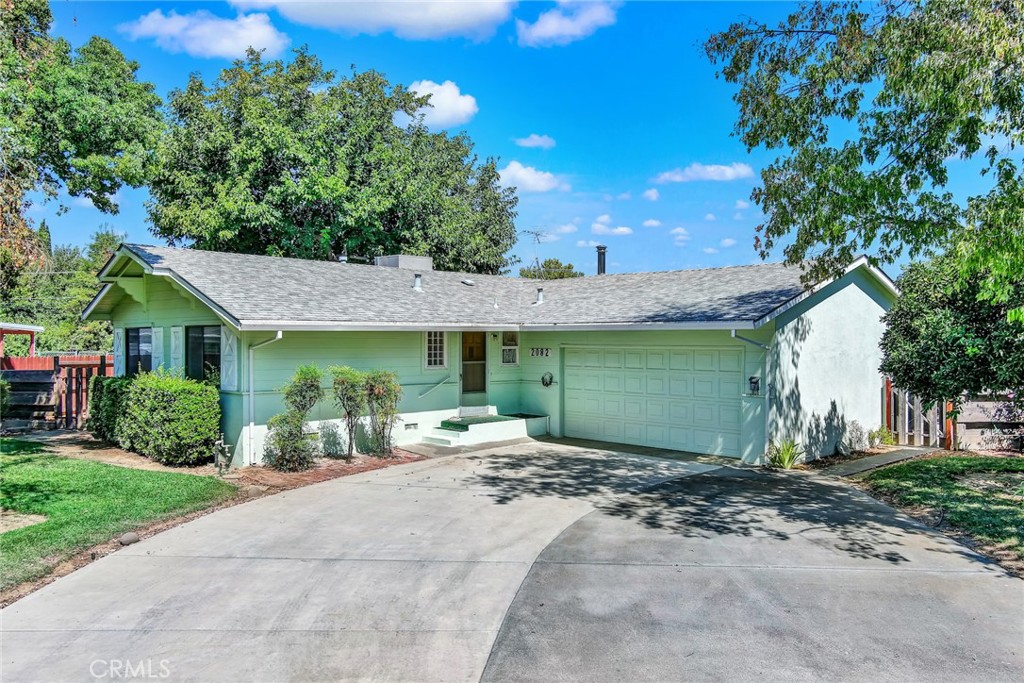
point(85, 503)
point(977, 495)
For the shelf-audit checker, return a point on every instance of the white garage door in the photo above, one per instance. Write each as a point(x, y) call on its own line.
point(685, 399)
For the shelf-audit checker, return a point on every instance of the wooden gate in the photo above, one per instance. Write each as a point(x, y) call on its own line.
point(48, 393)
point(911, 424)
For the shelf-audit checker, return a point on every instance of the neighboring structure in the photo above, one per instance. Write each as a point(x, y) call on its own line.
point(16, 328)
point(709, 361)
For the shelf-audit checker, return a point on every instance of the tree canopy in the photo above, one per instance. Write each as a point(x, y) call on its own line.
point(943, 343)
point(53, 290)
point(287, 158)
point(869, 105)
point(550, 269)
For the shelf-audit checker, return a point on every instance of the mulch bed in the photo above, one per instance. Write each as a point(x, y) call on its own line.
point(828, 461)
point(252, 482)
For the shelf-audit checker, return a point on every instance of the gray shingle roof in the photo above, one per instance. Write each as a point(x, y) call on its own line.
point(265, 289)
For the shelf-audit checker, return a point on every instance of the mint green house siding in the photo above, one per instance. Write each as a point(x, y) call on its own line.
point(807, 370)
point(825, 364)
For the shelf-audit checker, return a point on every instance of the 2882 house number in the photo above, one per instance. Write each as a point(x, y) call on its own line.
point(538, 351)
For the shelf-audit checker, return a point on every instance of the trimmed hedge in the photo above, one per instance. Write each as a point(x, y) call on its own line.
point(170, 419)
point(5, 396)
point(106, 405)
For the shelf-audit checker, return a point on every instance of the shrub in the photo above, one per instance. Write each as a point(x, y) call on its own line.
point(5, 396)
point(106, 405)
point(882, 435)
point(171, 419)
point(785, 454)
point(304, 390)
point(382, 395)
point(350, 396)
point(330, 441)
point(289, 447)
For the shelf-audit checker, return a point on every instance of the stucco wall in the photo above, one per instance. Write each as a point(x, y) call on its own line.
point(825, 360)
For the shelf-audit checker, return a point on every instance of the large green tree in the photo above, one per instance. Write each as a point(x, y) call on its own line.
point(287, 158)
point(71, 120)
point(550, 269)
point(944, 343)
point(869, 104)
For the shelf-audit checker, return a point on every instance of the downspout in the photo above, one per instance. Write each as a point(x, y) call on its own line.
point(767, 385)
point(252, 390)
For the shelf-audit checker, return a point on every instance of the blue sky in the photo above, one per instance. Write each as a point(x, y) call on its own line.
point(630, 145)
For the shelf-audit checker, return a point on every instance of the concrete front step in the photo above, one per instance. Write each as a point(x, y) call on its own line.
point(476, 433)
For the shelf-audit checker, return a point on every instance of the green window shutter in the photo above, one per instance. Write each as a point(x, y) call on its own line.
point(228, 360)
point(157, 335)
point(118, 351)
point(178, 349)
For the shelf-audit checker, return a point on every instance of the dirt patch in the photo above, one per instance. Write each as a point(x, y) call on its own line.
point(829, 461)
point(253, 483)
point(1008, 486)
point(82, 446)
point(11, 520)
point(323, 470)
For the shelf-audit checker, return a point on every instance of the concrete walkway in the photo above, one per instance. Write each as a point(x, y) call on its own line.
point(851, 467)
point(533, 562)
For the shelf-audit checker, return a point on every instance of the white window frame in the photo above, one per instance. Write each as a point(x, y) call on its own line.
point(504, 347)
point(443, 336)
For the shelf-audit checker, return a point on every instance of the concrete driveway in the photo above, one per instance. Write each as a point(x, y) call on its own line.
point(533, 562)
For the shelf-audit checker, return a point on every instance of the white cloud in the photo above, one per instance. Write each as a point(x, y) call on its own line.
point(567, 23)
point(680, 236)
point(652, 223)
point(740, 205)
point(529, 179)
point(604, 218)
point(603, 229)
point(710, 250)
point(737, 216)
point(534, 140)
point(709, 217)
point(448, 105)
point(547, 237)
point(202, 34)
point(566, 229)
point(588, 243)
point(623, 196)
point(728, 242)
point(696, 171)
point(652, 194)
point(423, 20)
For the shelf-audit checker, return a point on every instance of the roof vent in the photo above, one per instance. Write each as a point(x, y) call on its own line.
point(540, 295)
point(417, 282)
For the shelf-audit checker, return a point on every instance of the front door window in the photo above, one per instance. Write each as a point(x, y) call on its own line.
point(474, 362)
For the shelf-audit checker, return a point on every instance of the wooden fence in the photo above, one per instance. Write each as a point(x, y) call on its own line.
point(990, 423)
point(51, 392)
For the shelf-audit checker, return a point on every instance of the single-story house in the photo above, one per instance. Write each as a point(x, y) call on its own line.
point(716, 361)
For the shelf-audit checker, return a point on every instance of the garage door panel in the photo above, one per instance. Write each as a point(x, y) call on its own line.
point(633, 359)
point(705, 386)
point(612, 382)
point(680, 385)
point(633, 383)
point(730, 361)
point(685, 399)
point(681, 360)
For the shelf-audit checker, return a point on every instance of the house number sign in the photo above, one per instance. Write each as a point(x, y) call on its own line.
point(539, 351)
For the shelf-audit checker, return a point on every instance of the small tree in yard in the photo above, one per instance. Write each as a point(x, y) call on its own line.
point(290, 448)
point(382, 395)
point(944, 342)
point(350, 397)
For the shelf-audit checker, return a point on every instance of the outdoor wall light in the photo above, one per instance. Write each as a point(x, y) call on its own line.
point(755, 386)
